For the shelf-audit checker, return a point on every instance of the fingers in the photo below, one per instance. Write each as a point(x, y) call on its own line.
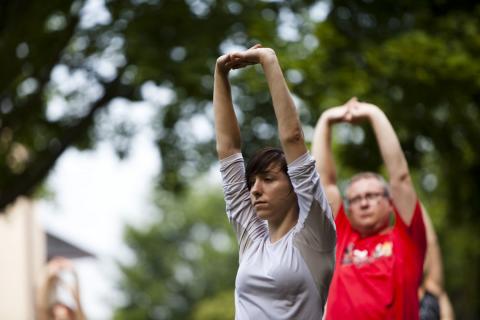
point(350, 105)
point(226, 62)
point(249, 56)
point(343, 113)
point(351, 102)
point(239, 59)
point(242, 65)
point(335, 114)
point(358, 110)
point(258, 45)
point(348, 116)
point(237, 63)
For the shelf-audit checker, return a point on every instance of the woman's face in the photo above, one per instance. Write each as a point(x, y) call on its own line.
point(272, 194)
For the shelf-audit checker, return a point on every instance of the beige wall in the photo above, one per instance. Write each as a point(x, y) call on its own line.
point(22, 255)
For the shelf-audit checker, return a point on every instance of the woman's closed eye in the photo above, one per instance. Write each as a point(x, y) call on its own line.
point(268, 178)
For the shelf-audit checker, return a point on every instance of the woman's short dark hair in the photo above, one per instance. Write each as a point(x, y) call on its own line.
point(261, 162)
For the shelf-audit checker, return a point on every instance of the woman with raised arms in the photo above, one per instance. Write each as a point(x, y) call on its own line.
point(276, 205)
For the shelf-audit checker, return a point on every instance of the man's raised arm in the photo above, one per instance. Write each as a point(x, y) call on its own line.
point(403, 192)
point(322, 152)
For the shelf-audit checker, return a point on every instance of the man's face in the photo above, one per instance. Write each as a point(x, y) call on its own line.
point(369, 208)
point(271, 194)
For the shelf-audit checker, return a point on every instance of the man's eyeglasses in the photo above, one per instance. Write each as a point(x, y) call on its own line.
point(369, 196)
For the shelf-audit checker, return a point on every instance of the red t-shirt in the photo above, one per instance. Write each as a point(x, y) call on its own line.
point(377, 277)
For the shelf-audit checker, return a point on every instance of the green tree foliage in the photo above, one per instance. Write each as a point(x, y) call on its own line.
point(220, 307)
point(415, 59)
point(188, 256)
point(38, 39)
point(172, 44)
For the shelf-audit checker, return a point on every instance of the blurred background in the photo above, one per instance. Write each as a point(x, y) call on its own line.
point(106, 132)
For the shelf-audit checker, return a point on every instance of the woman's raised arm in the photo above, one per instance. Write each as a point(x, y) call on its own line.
point(226, 126)
point(289, 127)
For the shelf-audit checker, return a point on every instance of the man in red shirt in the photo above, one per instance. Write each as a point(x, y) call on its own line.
point(381, 238)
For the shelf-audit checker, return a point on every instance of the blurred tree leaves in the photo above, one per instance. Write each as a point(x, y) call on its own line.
point(42, 45)
point(220, 307)
point(82, 59)
point(187, 256)
point(415, 59)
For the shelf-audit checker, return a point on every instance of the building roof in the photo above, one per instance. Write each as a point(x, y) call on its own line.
point(57, 247)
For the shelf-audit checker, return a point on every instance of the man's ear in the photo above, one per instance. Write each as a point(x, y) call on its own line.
point(390, 202)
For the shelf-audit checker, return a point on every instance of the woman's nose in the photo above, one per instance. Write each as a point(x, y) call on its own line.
point(256, 188)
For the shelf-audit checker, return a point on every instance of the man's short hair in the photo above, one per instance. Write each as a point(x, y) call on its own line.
point(369, 175)
point(261, 162)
